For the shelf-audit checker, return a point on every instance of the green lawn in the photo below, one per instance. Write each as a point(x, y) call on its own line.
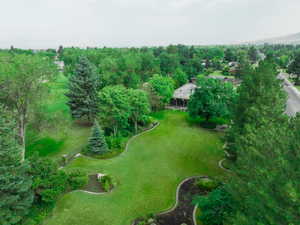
point(217, 73)
point(148, 174)
point(60, 136)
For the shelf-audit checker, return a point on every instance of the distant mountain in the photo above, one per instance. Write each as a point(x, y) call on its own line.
point(293, 39)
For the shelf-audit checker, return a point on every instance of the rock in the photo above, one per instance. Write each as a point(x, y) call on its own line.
point(77, 155)
point(100, 175)
point(151, 220)
point(221, 128)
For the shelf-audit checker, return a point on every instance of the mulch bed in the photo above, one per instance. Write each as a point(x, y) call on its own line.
point(183, 213)
point(93, 185)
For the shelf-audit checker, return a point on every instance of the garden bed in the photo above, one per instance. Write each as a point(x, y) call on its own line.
point(183, 213)
point(93, 185)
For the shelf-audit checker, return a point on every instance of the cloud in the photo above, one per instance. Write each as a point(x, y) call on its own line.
point(49, 23)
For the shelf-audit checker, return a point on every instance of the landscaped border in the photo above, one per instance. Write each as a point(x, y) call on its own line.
point(178, 190)
point(194, 214)
point(125, 150)
point(178, 186)
point(177, 199)
point(177, 193)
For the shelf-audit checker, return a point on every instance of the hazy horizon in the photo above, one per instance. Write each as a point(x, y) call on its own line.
point(44, 24)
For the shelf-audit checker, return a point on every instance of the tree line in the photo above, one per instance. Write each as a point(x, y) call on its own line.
point(263, 145)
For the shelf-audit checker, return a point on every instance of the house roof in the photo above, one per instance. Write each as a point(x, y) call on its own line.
point(185, 91)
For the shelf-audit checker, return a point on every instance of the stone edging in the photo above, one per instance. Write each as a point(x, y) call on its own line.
point(92, 193)
point(178, 189)
point(127, 144)
point(194, 215)
point(222, 167)
point(137, 135)
point(177, 195)
point(126, 149)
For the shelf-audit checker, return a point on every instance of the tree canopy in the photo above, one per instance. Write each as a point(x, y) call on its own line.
point(23, 81)
point(16, 195)
point(162, 87)
point(259, 96)
point(212, 98)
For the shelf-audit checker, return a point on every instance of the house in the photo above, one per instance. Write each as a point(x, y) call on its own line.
point(182, 95)
point(233, 64)
point(233, 80)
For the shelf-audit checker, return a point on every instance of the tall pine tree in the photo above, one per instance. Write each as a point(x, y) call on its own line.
point(16, 195)
point(97, 144)
point(82, 92)
point(266, 182)
point(261, 100)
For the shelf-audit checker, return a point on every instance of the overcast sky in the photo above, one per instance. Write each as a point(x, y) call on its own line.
point(121, 23)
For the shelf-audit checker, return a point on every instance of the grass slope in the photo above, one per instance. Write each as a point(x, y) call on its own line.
point(59, 134)
point(148, 175)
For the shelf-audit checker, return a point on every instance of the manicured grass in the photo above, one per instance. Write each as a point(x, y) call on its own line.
point(44, 147)
point(217, 73)
point(147, 175)
point(59, 135)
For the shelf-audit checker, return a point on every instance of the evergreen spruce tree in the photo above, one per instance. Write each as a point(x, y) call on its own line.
point(97, 144)
point(82, 92)
point(16, 196)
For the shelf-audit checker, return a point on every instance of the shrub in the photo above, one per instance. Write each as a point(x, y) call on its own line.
point(149, 121)
point(215, 207)
point(147, 220)
point(48, 181)
point(77, 179)
point(106, 183)
point(208, 124)
point(114, 142)
point(207, 184)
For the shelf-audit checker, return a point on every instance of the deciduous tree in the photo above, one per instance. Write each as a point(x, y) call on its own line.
point(114, 107)
point(212, 98)
point(23, 81)
point(140, 106)
point(162, 87)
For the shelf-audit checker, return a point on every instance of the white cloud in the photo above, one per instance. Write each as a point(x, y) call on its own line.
point(49, 23)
